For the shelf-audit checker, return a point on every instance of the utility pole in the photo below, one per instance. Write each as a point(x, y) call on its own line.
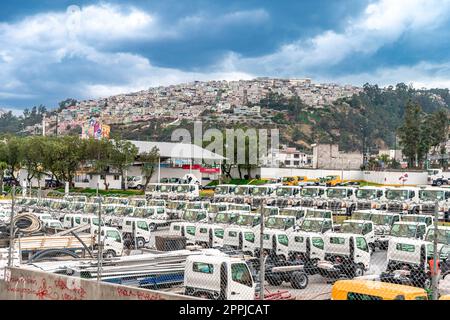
point(11, 227)
point(99, 240)
point(261, 253)
point(435, 275)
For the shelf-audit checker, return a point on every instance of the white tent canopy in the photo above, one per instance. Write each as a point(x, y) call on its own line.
point(177, 150)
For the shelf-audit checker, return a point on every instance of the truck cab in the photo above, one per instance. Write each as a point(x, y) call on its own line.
point(43, 217)
point(428, 198)
point(72, 220)
point(155, 216)
point(341, 200)
point(240, 237)
point(402, 200)
point(224, 192)
point(135, 182)
point(382, 223)
point(275, 243)
point(424, 218)
point(218, 278)
point(364, 228)
point(136, 231)
point(260, 194)
point(307, 247)
point(243, 194)
point(294, 180)
point(370, 198)
point(239, 207)
point(137, 202)
point(226, 218)
point(285, 196)
point(209, 235)
point(331, 180)
point(186, 192)
point(112, 242)
point(407, 262)
point(287, 223)
point(319, 213)
point(313, 196)
point(346, 255)
point(297, 212)
point(184, 229)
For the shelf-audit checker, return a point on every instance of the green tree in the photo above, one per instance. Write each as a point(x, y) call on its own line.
point(123, 155)
point(410, 133)
point(33, 151)
point(149, 162)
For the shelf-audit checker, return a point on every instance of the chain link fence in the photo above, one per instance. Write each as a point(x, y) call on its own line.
point(229, 249)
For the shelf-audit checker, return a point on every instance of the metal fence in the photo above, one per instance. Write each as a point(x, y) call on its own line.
point(217, 250)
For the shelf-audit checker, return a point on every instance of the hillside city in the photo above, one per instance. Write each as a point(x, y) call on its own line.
point(233, 100)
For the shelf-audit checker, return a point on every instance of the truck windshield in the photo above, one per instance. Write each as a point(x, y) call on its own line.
point(337, 193)
point(358, 215)
point(367, 194)
point(215, 208)
point(318, 214)
point(260, 191)
point(240, 207)
point(431, 195)
point(352, 227)
point(279, 223)
point(143, 212)
point(241, 274)
point(311, 225)
point(417, 218)
point(194, 215)
point(182, 189)
point(309, 192)
point(114, 235)
point(225, 218)
point(221, 190)
point(165, 188)
point(382, 219)
point(242, 191)
point(194, 205)
point(443, 236)
point(288, 179)
point(397, 194)
point(292, 212)
point(157, 203)
point(247, 220)
point(404, 230)
point(284, 192)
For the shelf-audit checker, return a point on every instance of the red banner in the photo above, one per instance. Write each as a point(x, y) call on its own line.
point(210, 170)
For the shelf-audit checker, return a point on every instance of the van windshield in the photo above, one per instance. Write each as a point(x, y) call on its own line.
point(247, 220)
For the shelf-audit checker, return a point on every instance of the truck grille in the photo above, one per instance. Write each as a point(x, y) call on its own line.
point(363, 205)
point(307, 202)
point(334, 205)
point(395, 207)
point(428, 208)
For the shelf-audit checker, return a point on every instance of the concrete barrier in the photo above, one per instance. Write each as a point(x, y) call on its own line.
point(22, 284)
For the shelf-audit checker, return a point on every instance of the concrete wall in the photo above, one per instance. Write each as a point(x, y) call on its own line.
point(21, 284)
point(328, 156)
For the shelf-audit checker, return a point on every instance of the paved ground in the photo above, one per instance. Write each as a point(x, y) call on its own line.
point(318, 288)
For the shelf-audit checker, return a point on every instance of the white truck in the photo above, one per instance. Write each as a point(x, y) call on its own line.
point(370, 198)
point(383, 222)
point(285, 196)
point(240, 238)
point(224, 193)
point(402, 200)
point(312, 196)
point(341, 200)
point(136, 182)
point(185, 192)
point(260, 194)
point(112, 242)
point(209, 235)
point(307, 247)
point(360, 227)
point(407, 262)
point(184, 229)
point(406, 229)
point(346, 255)
point(428, 198)
point(218, 278)
point(319, 225)
point(136, 232)
point(243, 194)
point(438, 177)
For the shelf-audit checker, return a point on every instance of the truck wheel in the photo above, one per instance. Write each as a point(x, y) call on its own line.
point(110, 254)
point(299, 280)
point(152, 227)
point(140, 243)
point(359, 271)
point(439, 183)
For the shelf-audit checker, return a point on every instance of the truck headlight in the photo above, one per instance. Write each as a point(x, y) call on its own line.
point(405, 206)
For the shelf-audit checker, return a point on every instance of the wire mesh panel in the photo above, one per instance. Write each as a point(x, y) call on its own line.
point(222, 250)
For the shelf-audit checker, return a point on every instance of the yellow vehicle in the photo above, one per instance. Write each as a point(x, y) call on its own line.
point(375, 290)
point(445, 297)
point(293, 181)
point(332, 181)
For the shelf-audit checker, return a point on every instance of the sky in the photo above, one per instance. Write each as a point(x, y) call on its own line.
point(51, 50)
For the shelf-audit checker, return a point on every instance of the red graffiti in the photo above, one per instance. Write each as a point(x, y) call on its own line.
point(60, 284)
point(138, 294)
